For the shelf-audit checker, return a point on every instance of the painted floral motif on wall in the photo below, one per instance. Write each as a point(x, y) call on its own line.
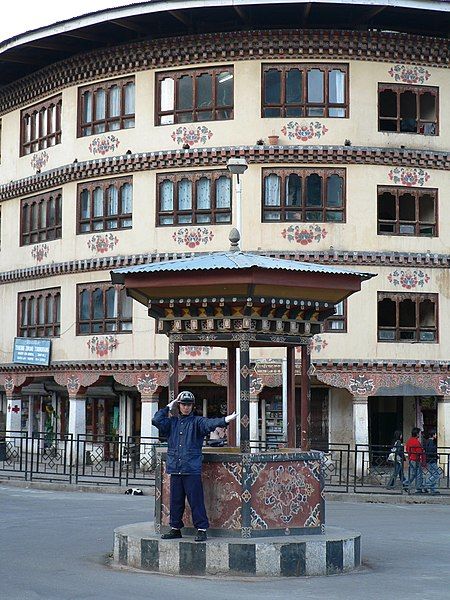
point(193, 237)
point(102, 242)
point(361, 385)
point(409, 176)
point(304, 234)
point(39, 160)
point(408, 279)
point(195, 351)
point(73, 383)
point(317, 343)
point(39, 252)
point(304, 131)
point(102, 345)
point(147, 384)
point(444, 386)
point(192, 135)
point(286, 492)
point(409, 74)
point(103, 145)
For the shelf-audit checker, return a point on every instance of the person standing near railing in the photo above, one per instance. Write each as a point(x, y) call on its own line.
point(399, 459)
point(416, 455)
point(431, 455)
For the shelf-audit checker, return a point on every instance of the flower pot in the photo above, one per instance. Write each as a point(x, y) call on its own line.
point(273, 140)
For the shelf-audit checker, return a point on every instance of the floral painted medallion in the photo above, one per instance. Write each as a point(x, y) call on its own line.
point(102, 242)
point(102, 345)
point(410, 176)
point(103, 145)
point(409, 74)
point(192, 135)
point(304, 132)
point(195, 351)
point(304, 234)
point(408, 279)
point(39, 160)
point(40, 251)
point(193, 237)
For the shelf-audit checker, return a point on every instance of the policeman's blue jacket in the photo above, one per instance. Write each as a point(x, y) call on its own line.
point(185, 440)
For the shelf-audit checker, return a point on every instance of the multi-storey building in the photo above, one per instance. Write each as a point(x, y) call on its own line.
point(116, 129)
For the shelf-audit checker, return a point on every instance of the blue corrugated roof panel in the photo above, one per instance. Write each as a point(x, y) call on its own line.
point(234, 260)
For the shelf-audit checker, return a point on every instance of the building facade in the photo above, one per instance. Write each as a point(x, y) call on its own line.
point(116, 129)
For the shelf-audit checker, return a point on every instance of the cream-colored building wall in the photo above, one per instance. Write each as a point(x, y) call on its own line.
point(340, 416)
point(361, 128)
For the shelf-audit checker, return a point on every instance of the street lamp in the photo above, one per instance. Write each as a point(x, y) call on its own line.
point(238, 166)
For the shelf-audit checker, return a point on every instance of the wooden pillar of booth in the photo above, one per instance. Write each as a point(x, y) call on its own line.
point(305, 401)
point(174, 350)
point(231, 393)
point(291, 417)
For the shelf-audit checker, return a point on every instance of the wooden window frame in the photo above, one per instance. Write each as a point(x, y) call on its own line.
point(398, 89)
point(337, 318)
point(40, 140)
point(304, 172)
point(52, 326)
point(43, 233)
point(194, 73)
point(104, 125)
point(304, 105)
point(103, 322)
point(194, 177)
point(397, 191)
point(417, 298)
point(104, 219)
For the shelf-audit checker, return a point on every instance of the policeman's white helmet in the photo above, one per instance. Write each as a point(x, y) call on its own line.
point(185, 398)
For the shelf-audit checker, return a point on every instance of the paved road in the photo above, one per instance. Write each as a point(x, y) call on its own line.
point(54, 546)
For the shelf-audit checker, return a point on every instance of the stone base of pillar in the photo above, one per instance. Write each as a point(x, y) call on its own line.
point(335, 551)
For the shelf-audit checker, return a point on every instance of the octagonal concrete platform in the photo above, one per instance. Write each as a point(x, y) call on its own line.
point(335, 551)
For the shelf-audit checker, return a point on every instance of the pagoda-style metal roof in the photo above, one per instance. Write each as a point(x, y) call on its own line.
point(231, 260)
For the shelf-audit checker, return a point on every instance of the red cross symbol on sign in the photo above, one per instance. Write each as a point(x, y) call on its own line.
point(15, 408)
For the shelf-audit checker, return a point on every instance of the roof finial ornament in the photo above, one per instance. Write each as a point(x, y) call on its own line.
point(234, 238)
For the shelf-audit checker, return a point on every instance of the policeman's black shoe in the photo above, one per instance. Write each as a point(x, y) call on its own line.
point(173, 534)
point(201, 536)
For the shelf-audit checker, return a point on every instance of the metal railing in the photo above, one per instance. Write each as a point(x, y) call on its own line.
point(115, 460)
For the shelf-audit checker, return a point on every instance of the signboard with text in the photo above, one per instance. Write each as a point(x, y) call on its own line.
point(32, 351)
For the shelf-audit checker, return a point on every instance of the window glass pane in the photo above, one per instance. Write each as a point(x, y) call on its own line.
point(314, 190)
point(23, 312)
point(97, 304)
point(223, 192)
point(114, 101)
point(185, 93)
point(41, 310)
point(50, 309)
point(427, 316)
point(427, 103)
point(126, 304)
point(336, 87)
point(315, 86)
point(129, 99)
point(85, 204)
point(386, 313)
point(407, 207)
point(426, 209)
point(272, 87)
point(224, 89)
point(166, 195)
point(167, 94)
point(388, 103)
point(34, 216)
point(32, 311)
point(113, 201)
point(98, 202)
point(203, 194)
point(84, 305)
point(293, 190)
point(272, 190)
point(100, 105)
point(407, 313)
point(51, 212)
point(127, 198)
point(293, 86)
point(58, 308)
point(335, 185)
point(184, 195)
point(111, 306)
point(42, 215)
point(204, 90)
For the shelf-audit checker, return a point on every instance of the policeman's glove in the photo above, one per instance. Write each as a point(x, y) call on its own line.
point(171, 404)
point(231, 417)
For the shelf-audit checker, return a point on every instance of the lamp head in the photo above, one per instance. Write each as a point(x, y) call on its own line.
point(237, 166)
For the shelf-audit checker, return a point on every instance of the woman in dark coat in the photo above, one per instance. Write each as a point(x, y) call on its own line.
point(399, 458)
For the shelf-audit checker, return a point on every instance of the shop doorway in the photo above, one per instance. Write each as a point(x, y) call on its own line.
point(385, 417)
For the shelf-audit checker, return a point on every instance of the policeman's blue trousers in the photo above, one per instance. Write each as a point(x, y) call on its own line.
point(190, 486)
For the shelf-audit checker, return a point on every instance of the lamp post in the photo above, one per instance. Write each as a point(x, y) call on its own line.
point(238, 166)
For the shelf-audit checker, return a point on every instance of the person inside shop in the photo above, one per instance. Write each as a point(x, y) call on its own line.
point(416, 455)
point(186, 433)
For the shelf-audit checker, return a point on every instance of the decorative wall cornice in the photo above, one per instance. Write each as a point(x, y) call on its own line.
point(213, 157)
point(219, 47)
point(328, 257)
